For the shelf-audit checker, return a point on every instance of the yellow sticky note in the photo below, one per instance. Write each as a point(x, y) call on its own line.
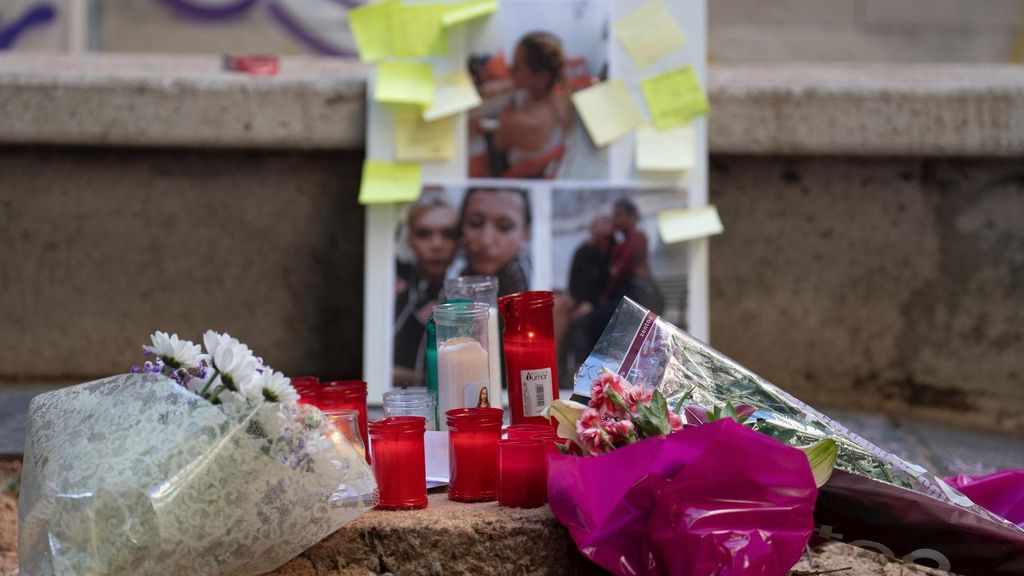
point(416, 30)
point(468, 10)
point(455, 92)
point(672, 150)
point(608, 111)
point(389, 182)
point(405, 83)
point(649, 33)
point(675, 97)
point(419, 141)
point(689, 224)
point(371, 28)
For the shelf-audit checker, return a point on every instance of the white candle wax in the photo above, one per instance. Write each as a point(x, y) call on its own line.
point(462, 368)
point(494, 357)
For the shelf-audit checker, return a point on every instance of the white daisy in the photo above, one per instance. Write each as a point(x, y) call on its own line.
point(174, 352)
point(271, 386)
point(231, 358)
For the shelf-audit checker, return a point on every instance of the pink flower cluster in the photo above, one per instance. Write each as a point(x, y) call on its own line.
point(610, 421)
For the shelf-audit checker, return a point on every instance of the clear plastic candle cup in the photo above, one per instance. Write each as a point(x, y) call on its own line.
point(345, 395)
point(412, 402)
point(473, 453)
point(399, 462)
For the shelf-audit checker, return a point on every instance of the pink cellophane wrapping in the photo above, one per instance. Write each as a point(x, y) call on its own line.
point(717, 499)
point(1001, 492)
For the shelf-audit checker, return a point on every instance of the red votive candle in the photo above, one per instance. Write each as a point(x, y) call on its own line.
point(345, 395)
point(523, 477)
point(525, 431)
point(473, 435)
point(529, 347)
point(398, 462)
point(307, 388)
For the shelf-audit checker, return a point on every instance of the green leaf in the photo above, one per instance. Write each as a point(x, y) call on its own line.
point(822, 457)
point(684, 398)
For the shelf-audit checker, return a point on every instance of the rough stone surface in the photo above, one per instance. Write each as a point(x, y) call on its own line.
point(867, 109)
point(876, 283)
point(98, 247)
point(136, 100)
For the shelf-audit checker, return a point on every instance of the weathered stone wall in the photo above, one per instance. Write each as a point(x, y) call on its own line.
point(875, 283)
point(100, 246)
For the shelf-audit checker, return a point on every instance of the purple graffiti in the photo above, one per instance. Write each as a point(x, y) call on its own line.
point(277, 11)
point(35, 17)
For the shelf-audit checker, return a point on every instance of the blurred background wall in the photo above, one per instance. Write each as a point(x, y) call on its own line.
point(874, 214)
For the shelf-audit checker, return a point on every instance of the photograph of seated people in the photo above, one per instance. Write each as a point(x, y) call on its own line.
point(427, 246)
point(526, 127)
point(613, 262)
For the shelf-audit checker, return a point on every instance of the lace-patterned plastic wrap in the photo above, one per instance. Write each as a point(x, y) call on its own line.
point(875, 499)
point(134, 474)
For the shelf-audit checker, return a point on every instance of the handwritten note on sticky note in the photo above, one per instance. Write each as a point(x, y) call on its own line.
point(649, 33)
point(454, 93)
point(371, 27)
point(416, 30)
point(689, 224)
point(672, 150)
point(388, 182)
point(419, 141)
point(608, 111)
point(674, 98)
point(464, 11)
point(405, 83)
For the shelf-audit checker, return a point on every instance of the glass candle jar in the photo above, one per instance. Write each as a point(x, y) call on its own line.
point(526, 431)
point(529, 345)
point(463, 379)
point(307, 388)
point(399, 463)
point(411, 402)
point(347, 423)
point(345, 395)
point(484, 290)
point(522, 473)
point(431, 362)
point(473, 453)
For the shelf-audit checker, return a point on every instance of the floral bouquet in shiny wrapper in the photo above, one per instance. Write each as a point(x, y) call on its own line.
point(873, 499)
point(195, 464)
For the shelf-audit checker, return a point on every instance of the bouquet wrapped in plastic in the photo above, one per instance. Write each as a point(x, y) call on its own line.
point(873, 499)
point(198, 464)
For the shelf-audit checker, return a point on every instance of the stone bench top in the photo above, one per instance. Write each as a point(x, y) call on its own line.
point(806, 109)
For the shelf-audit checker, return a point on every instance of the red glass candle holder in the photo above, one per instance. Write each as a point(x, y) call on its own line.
point(473, 435)
point(345, 395)
point(399, 463)
point(526, 431)
point(307, 388)
point(529, 346)
point(522, 468)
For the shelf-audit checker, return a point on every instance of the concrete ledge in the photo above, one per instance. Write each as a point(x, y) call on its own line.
point(445, 538)
point(180, 101)
point(188, 101)
point(868, 110)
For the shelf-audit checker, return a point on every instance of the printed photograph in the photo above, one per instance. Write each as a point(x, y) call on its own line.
point(605, 246)
point(448, 232)
point(526, 68)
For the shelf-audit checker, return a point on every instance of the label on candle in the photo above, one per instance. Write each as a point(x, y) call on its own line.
point(476, 395)
point(536, 391)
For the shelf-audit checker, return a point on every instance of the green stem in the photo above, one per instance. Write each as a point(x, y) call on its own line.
point(210, 381)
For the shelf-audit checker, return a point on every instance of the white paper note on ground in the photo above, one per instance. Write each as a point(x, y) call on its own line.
point(435, 446)
point(689, 224)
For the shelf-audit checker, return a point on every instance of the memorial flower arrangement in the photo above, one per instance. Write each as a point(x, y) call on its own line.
point(700, 498)
point(196, 462)
point(668, 494)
